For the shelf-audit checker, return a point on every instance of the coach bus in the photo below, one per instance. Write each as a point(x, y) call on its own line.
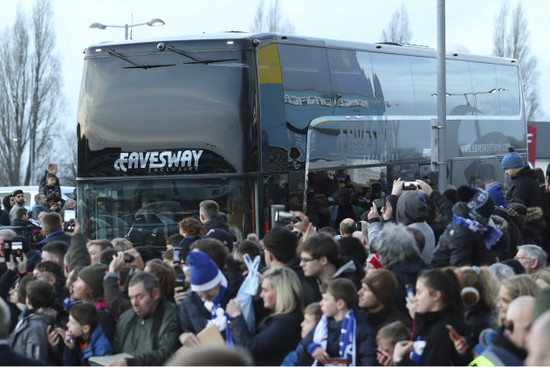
point(253, 120)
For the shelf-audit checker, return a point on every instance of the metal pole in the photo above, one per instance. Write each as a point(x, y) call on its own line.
point(441, 97)
point(126, 31)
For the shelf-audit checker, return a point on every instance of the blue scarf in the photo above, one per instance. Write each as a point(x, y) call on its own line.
point(347, 338)
point(489, 232)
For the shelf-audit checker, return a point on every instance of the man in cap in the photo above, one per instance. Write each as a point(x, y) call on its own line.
point(149, 330)
point(378, 289)
point(206, 303)
point(523, 180)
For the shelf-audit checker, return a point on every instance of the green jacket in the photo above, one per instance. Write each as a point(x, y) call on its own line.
point(135, 336)
point(79, 255)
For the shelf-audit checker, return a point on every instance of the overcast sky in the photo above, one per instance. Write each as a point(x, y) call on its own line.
point(469, 24)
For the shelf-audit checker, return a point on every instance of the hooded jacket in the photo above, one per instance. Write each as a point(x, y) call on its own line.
point(413, 211)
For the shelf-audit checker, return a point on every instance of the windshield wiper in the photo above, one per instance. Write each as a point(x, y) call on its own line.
point(196, 61)
point(209, 61)
point(136, 66)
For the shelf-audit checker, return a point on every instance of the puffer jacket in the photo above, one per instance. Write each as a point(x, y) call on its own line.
point(30, 337)
point(98, 346)
point(460, 246)
point(534, 226)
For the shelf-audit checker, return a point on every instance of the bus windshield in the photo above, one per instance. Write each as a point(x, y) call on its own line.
point(158, 133)
point(137, 110)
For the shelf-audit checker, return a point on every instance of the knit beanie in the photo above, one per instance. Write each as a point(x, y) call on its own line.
point(497, 193)
point(383, 284)
point(512, 160)
point(374, 260)
point(93, 275)
point(479, 202)
point(205, 274)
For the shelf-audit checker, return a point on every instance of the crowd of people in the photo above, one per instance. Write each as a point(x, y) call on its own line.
point(425, 277)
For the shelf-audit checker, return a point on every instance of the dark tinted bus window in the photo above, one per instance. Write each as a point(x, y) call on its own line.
point(485, 88)
point(307, 94)
point(424, 73)
point(394, 74)
point(351, 83)
point(304, 68)
point(459, 88)
point(508, 94)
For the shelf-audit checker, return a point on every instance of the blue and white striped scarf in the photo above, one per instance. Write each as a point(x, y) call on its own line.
point(347, 345)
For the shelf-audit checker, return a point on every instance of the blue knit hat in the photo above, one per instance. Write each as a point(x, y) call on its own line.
point(497, 193)
point(205, 274)
point(512, 160)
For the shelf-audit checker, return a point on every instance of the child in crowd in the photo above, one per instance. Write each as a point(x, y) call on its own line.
point(342, 335)
point(312, 315)
point(49, 187)
point(22, 218)
point(84, 337)
point(29, 336)
point(386, 339)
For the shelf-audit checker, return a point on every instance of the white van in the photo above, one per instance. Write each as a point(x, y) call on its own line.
point(30, 191)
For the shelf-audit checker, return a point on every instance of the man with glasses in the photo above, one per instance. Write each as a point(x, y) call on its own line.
point(319, 257)
point(532, 257)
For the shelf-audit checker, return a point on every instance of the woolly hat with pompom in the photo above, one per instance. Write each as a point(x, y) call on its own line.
point(479, 202)
point(512, 160)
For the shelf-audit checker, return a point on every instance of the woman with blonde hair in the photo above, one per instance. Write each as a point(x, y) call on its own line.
point(542, 278)
point(510, 289)
point(280, 332)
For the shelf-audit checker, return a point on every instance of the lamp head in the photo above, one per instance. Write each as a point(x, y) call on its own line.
point(155, 22)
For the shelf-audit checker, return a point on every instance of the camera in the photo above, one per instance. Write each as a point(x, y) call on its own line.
point(380, 203)
point(128, 258)
point(285, 218)
point(410, 185)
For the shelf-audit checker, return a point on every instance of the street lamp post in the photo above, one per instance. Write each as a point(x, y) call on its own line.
point(152, 23)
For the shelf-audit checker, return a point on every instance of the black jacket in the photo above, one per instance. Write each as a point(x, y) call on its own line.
point(406, 273)
point(460, 246)
point(386, 316)
point(439, 350)
point(525, 186)
point(272, 341)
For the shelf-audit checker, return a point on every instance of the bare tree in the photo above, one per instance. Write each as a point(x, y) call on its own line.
point(270, 19)
point(30, 94)
point(398, 29)
point(511, 39)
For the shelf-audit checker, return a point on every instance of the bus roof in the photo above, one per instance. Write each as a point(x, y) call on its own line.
point(258, 39)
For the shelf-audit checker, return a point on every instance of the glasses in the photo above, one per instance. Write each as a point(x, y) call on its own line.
point(522, 258)
point(303, 260)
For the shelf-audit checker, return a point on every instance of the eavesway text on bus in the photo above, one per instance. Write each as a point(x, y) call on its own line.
point(158, 160)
